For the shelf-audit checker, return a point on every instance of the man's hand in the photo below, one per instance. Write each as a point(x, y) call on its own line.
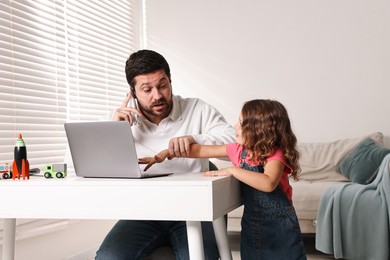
point(158, 158)
point(125, 113)
point(180, 146)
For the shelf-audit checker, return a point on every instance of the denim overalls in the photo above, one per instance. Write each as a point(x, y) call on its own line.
point(270, 228)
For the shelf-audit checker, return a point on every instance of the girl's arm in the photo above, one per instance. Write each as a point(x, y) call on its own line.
point(266, 182)
point(196, 151)
point(207, 151)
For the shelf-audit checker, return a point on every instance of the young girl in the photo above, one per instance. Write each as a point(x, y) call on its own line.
point(263, 156)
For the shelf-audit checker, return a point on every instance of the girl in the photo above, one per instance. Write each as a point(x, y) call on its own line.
point(263, 156)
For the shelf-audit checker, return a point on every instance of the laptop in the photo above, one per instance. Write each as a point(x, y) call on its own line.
point(105, 149)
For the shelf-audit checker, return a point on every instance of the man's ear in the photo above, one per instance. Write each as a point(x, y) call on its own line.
point(133, 93)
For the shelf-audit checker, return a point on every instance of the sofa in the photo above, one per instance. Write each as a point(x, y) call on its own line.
point(320, 164)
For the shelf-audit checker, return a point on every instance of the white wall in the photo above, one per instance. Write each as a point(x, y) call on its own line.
point(328, 61)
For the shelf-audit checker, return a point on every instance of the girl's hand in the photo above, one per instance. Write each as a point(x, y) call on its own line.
point(222, 172)
point(158, 158)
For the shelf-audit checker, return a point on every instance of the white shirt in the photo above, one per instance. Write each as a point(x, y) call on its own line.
point(189, 116)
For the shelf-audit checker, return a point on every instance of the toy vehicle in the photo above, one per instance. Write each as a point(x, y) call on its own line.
point(55, 170)
point(5, 170)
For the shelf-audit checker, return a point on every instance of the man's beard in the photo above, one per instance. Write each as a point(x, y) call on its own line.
point(161, 113)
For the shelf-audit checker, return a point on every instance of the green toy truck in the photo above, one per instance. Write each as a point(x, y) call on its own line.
point(55, 170)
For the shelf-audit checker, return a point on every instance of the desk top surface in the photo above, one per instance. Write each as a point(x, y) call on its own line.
point(187, 196)
point(72, 180)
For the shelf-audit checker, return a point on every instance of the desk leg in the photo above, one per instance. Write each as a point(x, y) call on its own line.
point(222, 239)
point(195, 240)
point(9, 238)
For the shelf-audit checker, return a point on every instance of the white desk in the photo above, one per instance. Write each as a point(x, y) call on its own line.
point(188, 197)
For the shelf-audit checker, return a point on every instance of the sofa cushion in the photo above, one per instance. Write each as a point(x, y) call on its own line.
point(306, 197)
point(362, 164)
point(319, 160)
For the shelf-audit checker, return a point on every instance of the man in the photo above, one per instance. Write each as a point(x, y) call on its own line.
point(160, 119)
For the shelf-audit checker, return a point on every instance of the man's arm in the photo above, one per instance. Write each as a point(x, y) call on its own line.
point(216, 130)
point(211, 129)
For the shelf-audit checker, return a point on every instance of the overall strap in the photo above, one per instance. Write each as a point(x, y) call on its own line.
point(257, 168)
point(243, 155)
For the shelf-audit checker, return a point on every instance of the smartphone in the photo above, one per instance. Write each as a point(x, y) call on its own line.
point(134, 104)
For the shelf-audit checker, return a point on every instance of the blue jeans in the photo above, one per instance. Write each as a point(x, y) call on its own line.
point(274, 235)
point(269, 225)
point(136, 239)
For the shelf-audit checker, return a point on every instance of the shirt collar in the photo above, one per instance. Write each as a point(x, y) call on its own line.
point(176, 113)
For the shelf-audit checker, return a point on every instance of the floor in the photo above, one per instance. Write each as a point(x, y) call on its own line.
point(234, 241)
point(308, 240)
point(312, 253)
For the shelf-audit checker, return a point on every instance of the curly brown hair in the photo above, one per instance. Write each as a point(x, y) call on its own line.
point(265, 128)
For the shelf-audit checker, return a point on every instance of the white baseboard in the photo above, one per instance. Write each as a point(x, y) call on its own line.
point(30, 228)
point(87, 254)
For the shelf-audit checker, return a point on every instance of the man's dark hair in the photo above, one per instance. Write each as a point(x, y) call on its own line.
point(143, 62)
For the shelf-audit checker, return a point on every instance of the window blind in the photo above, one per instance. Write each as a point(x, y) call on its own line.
point(60, 60)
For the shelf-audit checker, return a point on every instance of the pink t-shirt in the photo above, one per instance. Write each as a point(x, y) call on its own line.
point(234, 152)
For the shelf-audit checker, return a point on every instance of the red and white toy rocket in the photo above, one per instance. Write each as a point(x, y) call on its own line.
point(20, 166)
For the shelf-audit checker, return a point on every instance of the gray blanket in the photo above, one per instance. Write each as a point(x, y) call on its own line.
point(353, 219)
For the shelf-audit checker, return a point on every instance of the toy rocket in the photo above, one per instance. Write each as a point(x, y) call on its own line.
point(20, 166)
